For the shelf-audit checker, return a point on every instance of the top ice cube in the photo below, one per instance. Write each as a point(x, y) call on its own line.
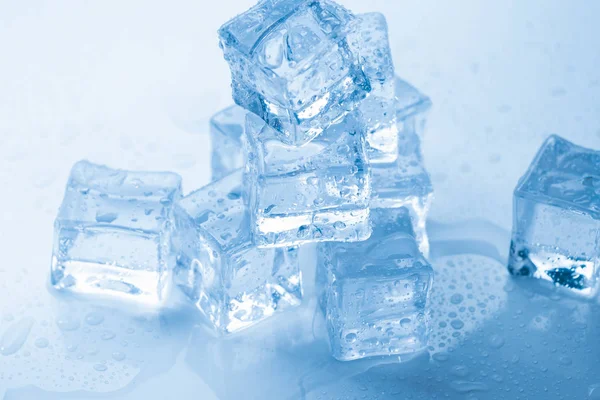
point(292, 66)
point(565, 175)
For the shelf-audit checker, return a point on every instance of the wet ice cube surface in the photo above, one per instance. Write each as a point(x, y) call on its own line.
point(557, 217)
point(376, 296)
point(292, 66)
point(112, 233)
point(226, 130)
point(370, 40)
point(399, 177)
point(233, 283)
point(314, 193)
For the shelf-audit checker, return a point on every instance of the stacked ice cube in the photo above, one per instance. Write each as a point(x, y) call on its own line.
point(322, 147)
point(332, 155)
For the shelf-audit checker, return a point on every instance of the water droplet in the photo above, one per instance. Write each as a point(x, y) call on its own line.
point(107, 217)
point(108, 335)
point(457, 324)
point(469, 387)
point(496, 341)
point(67, 323)
point(94, 318)
point(100, 367)
point(339, 225)
point(15, 336)
point(460, 371)
point(564, 360)
point(351, 337)
point(118, 356)
point(405, 322)
point(41, 343)
point(456, 298)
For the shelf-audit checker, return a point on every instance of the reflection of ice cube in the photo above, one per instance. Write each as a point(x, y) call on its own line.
point(233, 283)
point(292, 66)
point(112, 233)
point(556, 227)
point(376, 294)
point(226, 130)
point(313, 193)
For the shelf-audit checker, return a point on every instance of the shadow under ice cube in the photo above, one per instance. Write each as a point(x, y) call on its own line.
point(314, 193)
point(292, 66)
point(112, 233)
point(233, 283)
point(376, 294)
point(556, 228)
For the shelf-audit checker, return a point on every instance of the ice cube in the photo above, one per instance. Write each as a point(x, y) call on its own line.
point(226, 130)
point(556, 226)
point(112, 233)
point(292, 66)
point(369, 39)
point(412, 107)
point(376, 293)
point(400, 181)
point(233, 283)
point(313, 193)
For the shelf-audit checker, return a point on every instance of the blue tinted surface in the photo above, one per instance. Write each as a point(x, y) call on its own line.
point(502, 78)
point(557, 217)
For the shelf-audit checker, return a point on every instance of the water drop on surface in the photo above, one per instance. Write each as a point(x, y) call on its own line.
point(456, 298)
point(41, 342)
point(405, 322)
point(339, 225)
point(457, 324)
point(351, 337)
point(118, 356)
point(496, 341)
point(67, 323)
point(100, 367)
point(15, 336)
point(94, 318)
point(108, 335)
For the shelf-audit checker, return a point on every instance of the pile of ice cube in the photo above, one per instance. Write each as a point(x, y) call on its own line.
point(322, 147)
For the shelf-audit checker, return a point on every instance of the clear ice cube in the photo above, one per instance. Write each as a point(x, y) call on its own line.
point(112, 234)
point(233, 283)
point(313, 193)
point(370, 40)
point(292, 66)
point(376, 292)
point(226, 130)
point(556, 228)
point(400, 181)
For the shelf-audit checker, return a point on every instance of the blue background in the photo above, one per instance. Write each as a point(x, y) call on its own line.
point(133, 85)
